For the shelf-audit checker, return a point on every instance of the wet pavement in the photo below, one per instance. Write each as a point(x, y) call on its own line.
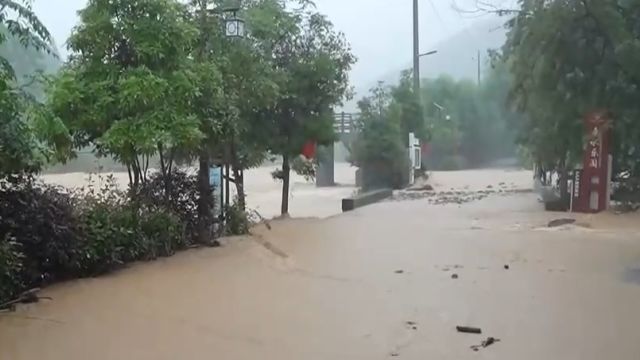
point(376, 283)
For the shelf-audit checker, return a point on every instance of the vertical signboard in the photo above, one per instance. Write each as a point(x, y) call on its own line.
point(215, 180)
point(595, 176)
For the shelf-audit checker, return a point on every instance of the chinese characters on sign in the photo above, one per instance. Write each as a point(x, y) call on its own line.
point(576, 184)
point(594, 149)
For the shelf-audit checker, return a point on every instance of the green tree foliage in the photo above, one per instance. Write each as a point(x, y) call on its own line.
point(569, 58)
point(469, 125)
point(243, 89)
point(311, 63)
point(27, 138)
point(379, 149)
point(128, 84)
point(408, 108)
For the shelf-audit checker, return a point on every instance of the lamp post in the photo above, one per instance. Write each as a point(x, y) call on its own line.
point(416, 49)
point(478, 59)
point(432, 52)
point(232, 27)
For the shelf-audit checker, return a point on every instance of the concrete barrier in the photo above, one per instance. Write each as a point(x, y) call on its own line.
point(365, 199)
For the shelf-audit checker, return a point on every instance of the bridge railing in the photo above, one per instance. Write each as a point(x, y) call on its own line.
point(345, 123)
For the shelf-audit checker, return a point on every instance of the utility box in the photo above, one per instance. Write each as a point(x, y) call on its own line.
point(415, 156)
point(591, 188)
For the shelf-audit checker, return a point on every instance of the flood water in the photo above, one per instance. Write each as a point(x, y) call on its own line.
point(372, 284)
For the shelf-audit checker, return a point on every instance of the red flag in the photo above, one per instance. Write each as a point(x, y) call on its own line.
point(309, 149)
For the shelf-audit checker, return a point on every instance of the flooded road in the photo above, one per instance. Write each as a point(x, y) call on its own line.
point(372, 284)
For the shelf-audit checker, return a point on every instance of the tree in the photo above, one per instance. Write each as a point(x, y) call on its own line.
point(311, 61)
point(407, 105)
point(128, 84)
point(569, 58)
point(379, 149)
point(469, 124)
point(247, 88)
point(27, 139)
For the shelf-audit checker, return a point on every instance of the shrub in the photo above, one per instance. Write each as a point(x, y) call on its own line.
point(109, 225)
point(163, 233)
point(40, 219)
point(304, 167)
point(237, 220)
point(142, 226)
point(10, 269)
point(111, 237)
point(380, 153)
point(178, 195)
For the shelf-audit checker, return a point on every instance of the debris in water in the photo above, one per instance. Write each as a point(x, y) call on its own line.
point(486, 343)
point(469, 330)
point(27, 297)
point(426, 187)
point(399, 271)
point(560, 222)
point(394, 354)
point(454, 276)
point(506, 267)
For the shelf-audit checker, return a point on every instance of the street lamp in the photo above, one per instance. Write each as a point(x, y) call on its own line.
point(441, 109)
point(432, 52)
point(233, 25)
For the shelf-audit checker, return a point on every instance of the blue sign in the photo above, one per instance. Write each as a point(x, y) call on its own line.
point(215, 177)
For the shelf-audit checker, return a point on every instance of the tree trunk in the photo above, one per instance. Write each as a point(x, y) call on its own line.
point(227, 193)
point(204, 202)
point(238, 176)
point(564, 182)
point(130, 176)
point(136, 176)
point(286, 172)
point(163, 167)
point(166, 176)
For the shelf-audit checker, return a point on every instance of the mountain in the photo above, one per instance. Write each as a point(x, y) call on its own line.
point(27, 62)
point(456, 57)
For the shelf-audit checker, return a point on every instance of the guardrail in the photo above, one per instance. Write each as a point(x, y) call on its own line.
point(345, 123)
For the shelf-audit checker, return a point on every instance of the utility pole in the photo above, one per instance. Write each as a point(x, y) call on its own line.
point(416, 50)
point(479, 69)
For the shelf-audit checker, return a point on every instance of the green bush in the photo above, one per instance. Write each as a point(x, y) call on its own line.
point(177, 195)
point(40, 218)
point(237, 220)
point(118, 229)
point(10, 269)
point(163, 233)
point(111, 237)
point(47, 234)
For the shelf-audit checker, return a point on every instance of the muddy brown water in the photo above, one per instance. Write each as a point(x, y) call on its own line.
point(332, 289)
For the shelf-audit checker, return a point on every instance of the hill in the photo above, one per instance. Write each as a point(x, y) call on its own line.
point(27, 62)
point(456, 57)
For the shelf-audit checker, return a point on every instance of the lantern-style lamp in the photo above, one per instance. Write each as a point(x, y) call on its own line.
point(233, 25)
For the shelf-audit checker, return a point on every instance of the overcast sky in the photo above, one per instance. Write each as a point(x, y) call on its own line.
point(380, 31)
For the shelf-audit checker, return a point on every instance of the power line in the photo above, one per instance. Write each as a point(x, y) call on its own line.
point(435, 10)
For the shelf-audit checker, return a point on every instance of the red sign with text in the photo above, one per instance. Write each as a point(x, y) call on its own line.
point(591, 191)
